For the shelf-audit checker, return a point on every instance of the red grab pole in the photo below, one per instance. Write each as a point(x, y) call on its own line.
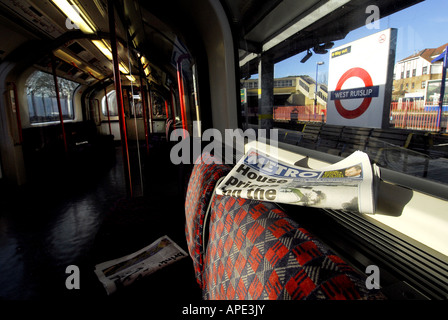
point(56, 86)
point(118, 90)
point(144, 106)
point(181, 96)
point(166, 109)
point(173, 114)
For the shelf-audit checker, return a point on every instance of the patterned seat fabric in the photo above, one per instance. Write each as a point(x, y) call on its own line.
point(256, 252)
point(202, 181)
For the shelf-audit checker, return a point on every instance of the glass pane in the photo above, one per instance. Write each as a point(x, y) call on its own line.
point(42, 101)
point(111, 103)
point(412, 135)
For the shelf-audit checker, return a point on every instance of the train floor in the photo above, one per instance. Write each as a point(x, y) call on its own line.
point(86, 217)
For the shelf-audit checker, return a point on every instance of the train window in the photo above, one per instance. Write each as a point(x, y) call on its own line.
point(158, 106)
point(42, 101)
point(412, 135)
point(111, 104)
point(132, 102)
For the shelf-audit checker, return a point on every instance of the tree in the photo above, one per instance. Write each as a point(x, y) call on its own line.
point(42, 83)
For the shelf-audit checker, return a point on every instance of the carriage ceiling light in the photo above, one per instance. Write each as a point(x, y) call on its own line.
point(144, 61)
point(145, 65)
point(77, 17)
point(130, 77)
point(66, 57)
point(122, 67)
point(79, 64)
point(105, 49)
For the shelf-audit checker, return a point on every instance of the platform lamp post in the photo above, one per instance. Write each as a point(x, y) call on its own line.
point(315, 91)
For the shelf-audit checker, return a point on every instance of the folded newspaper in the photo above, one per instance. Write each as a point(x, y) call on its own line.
point(349, 184)
point(117, 273)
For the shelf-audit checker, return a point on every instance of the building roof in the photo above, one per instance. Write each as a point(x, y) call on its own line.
point(427, 54)
point(307, 79)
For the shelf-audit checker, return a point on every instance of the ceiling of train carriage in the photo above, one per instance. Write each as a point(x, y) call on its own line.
point(279, 28)
point(82, 47)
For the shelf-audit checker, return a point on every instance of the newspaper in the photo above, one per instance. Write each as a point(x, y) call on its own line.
point(117, 273)
point(349, 184)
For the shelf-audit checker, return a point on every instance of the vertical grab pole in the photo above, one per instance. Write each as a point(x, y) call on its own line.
point(173, 114)
point(144, 105)
point(149, 94)
point(181, 95)
point(118, 90)
point(107, 108)
point(166, 110)
point(56, 86)
point(99, 111)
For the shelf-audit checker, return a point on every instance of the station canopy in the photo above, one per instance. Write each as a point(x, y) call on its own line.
point(282, 29)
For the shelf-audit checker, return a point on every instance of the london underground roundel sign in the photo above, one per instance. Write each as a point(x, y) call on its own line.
point(366, 94)
point(360, 78)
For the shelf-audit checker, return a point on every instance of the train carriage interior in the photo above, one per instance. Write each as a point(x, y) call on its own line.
point(107, 105)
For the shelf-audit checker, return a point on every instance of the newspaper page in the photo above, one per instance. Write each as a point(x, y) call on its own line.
point(117, 273)
point(349, 184)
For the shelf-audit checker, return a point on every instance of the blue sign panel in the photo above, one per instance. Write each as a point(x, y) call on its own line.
point(355, 93)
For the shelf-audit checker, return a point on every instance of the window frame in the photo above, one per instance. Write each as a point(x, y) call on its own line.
point(67, 103)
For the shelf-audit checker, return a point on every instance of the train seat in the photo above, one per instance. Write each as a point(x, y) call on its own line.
point(203, 179)
point(254, 251)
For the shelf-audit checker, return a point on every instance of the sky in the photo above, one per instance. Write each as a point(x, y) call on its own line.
point(424, 25)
